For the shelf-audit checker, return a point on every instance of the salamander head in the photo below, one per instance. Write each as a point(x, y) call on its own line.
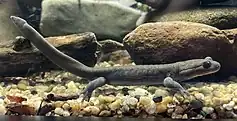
point(197, 67)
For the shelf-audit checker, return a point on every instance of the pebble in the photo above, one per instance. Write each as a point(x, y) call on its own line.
point(206, 90)
point(145, 101)
point(229, 106)
point(72, 87)
point(179, 110)
point(157, 99)
point(115, 105)
point(91, 110)
point(2, 110)
point(208, 110)
point(66, 113)
point(196, 104)
point(105, 113)
point(199, 96)
point(131, 101)
point(139, 91)
point(58, 104)
point(176, 116)
point(125, 91)
point(213, 116)
point(161, 108)
point(151, 109)
point(22, 86)
point(59, 111)
point(185, 116)
point(66, 106)
point(152, 89)
point(161, 93)
point(1, 101)
point(106, 99)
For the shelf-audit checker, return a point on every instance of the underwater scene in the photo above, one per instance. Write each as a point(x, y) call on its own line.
point(174, 59)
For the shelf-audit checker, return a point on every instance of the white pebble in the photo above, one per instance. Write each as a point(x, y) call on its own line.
point(1, 101)
point(92, 110)
point(229, 106)
point(59, 111)
point(66, 113)
point(151, 109)
point(208, 110)
point(139, 92)
point(130, 101)
point(2, 110)
point(199, 96)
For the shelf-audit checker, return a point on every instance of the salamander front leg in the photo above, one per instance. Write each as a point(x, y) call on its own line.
point(98, 82)
point(170, 83)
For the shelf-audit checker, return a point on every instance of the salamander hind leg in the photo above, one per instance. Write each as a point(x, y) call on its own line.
point(98, 82)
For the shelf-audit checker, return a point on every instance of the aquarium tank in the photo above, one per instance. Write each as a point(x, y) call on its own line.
point(118, 59)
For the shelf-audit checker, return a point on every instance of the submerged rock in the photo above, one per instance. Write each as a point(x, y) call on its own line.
point(222, 18)
point(107, 19)
point(7, 29)
point(81, 47)
point(167, 42)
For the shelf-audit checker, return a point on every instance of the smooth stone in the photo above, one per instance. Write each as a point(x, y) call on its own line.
point(107, 19)
point(222, 18)
point(156, 43)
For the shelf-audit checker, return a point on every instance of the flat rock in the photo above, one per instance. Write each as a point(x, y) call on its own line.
point(222, 18)
point(81, 47)
point(107, 19)
point(167, 42)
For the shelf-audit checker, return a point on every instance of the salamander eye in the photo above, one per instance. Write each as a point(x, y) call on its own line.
point(206, 64)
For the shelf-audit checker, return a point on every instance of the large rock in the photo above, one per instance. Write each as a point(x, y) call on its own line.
point(107, 19)
point(18, 61)
point(7, 29)
point(222, 18)
point(167, 42)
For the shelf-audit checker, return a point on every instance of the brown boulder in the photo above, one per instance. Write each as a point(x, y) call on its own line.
point(167, 42)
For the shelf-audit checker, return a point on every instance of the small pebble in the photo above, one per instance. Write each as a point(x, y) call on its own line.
point(161, 108)
point(229, 106)
point(105, 113)
point(66, 106)
point(66, 113)
point(196, 104)
point(161, 93)
point(59, 111)
point(115, 105)
point(185, 116)
point(139, 91)
point(125, 91)
point(157, 99)
point(92, 110)
point(21, 86)
point(145, 101)
point(179, 110)
point(213, 116)
point(208, 110)
point(2, 110)
point(199, 96)
point(131, 101)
